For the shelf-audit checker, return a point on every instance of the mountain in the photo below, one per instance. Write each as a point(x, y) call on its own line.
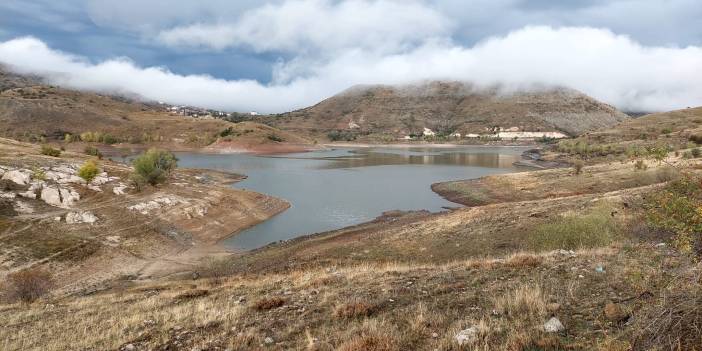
point(31, 110)
point(446, 107)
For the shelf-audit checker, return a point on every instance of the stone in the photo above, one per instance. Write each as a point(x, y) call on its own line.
point(17, 177)
point(553, 325)
point(119, 189)
point(68, 197)
point(467, 336)
point(81, 217)
point(51, 196)
point(129, 347)
point(28, 194)
point(7, 195)
point(268, 340)
point(23, 207)
point(615, 313)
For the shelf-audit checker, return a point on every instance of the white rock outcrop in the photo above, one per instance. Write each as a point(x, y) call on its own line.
point(467, 336)
point(59, 197)
point(553, 325)
point(23, 207)
point(18, 177)
point(81, 217)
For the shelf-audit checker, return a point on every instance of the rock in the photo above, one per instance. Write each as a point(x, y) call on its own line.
point(599, 269)
point(7, 195)
point(51, 196)
point(434, 335)
point(119, 189)
point(467, 336)
point(81, 217)
point(553, 325)
point(68, 197)
point(23, 207)
point(59, 197)
point(615, 313)
point(17, 176)
point(28, 194)
point(129, 347)
point(268, 340)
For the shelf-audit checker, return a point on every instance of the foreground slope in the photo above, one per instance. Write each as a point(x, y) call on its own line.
point(447, 107)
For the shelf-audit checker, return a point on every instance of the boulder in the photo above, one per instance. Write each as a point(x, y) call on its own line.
point(81, 217)
point(68, 197)
point(18, 177)
point(51, 196)
point(553, 325)
point(23, 207)
point(467, 336)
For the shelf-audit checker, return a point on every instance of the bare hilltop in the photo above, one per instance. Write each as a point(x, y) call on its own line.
point(391, 112)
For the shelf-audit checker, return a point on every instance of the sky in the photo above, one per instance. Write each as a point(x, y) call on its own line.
point(276, 56)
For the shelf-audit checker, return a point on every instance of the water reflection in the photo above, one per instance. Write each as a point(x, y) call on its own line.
point(336, 188)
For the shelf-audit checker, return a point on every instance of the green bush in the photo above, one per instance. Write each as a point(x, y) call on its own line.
point(50, 151)
point(696, 152)
point(678, 209)
point(88, 171)
point(341, 135)
point(153, 167)
point(93, 151)
point(275, 138)
point(577, 231)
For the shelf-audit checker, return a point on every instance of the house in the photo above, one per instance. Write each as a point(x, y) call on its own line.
point(428, 132)
point(253, 113)
point(455, 135)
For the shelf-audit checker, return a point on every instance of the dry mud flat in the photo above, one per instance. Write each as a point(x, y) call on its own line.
point(88, 234)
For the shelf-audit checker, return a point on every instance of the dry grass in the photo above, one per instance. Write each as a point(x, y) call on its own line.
point(265, 304)
point(26, 286)
point(355, 309)
point(521, 260)
point(524, 301)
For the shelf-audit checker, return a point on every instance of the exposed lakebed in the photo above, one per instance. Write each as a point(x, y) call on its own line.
point(336, 188)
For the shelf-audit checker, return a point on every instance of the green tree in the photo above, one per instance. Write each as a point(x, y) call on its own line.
point(153, 167)
point(88, 171)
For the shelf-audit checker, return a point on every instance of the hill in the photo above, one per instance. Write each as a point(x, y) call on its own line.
point(448, 107)
point(36, 112)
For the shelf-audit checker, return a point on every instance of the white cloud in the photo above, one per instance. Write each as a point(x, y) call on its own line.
point(610, 67)
point(314, 26)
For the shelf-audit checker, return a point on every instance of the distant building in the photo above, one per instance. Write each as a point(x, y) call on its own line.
point(428, 132)
point(253, 113)
point(455, 135)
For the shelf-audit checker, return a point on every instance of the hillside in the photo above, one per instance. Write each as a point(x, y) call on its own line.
point(447, 107)
point(87, 234)
point(36, 112)
point(491, 277)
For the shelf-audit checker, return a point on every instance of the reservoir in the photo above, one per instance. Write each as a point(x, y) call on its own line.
point(335, 188)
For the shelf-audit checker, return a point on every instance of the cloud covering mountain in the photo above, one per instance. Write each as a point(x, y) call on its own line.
point(320, 47)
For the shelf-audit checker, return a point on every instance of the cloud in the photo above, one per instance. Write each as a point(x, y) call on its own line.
point(610, 67)
point(314, 26)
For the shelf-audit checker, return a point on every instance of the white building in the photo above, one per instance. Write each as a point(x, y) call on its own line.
point(428, 132)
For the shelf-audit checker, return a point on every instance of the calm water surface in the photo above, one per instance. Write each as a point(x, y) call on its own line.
point(336, 188)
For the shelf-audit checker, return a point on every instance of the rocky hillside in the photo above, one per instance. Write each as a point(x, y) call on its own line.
point(89, 233)
point(36, 112)
point(447, 107)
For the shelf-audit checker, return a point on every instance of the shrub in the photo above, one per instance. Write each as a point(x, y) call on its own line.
point(696, 138)
point(38, 174)
point(355, 309)
point(640, 165)
point(50, 151)
point(275, 138)
point(678, 209)
point(341, 135)
point(666, 130)
point(27, 285)
point(153, 167)
point(93, 151)
point(88, 171)
point(578, 167)
point(265, 304)
point(696, 152)
point(577, 231)
point(227, 132)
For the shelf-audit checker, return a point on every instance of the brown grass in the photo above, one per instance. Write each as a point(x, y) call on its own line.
point(270, 303)
point(27, 285)
point(355, 309)
point(522, 260)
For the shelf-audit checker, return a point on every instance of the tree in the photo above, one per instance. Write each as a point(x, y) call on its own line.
point(88, 171)
point(153, 167)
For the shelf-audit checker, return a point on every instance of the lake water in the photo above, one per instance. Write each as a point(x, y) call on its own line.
point(341, 187)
